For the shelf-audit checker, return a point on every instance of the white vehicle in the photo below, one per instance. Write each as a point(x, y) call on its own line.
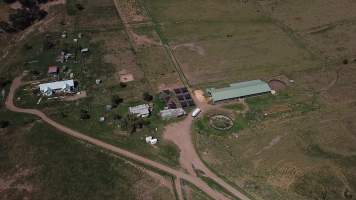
point(196, 112)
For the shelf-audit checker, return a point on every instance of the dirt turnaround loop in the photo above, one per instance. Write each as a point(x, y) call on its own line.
point(122, 152)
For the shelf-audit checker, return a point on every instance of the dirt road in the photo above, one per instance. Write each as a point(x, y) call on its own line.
point(121, 152)
point(180, 133)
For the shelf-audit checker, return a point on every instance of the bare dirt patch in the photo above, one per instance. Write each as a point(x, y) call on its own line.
point(143, 40)
point(125, 65)
point(132, 11)
point(277, 85)
point(83, 94)
point(48, 5)
point(199, 95)
point(125, 76)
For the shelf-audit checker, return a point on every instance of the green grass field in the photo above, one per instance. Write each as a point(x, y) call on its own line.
point(54, 166)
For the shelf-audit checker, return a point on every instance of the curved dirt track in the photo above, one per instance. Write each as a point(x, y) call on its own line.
point(178, 174)
point(180, 133)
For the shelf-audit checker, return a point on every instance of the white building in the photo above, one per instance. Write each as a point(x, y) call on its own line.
point(151, 140)
point(143, 110)
point(172, 113)
point(49, 89)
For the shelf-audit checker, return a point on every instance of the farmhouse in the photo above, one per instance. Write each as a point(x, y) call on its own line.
point(49, 89)
point(140, 110)
point(239, 90)
point(172, 113)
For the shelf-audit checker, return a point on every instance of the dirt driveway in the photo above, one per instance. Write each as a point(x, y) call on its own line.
point(122, 152)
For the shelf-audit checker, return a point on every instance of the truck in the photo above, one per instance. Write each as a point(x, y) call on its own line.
point(196, 112)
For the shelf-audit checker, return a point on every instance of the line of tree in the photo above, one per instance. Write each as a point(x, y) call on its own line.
point(131, 123)
point(24, 17)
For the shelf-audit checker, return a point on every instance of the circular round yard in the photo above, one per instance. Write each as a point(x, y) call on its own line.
point(221, 122)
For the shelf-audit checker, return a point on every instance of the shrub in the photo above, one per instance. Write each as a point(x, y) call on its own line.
point(9, 1)
point(7, 27)
point(84, 114)
point(345, 62)
point(147, 96)
point(116, 100)
point(4, 124)
point(123, 85)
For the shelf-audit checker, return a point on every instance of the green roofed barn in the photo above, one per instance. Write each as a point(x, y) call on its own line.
point(238, 90)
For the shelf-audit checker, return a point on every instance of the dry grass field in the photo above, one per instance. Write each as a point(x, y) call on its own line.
point(326, 25)
point(304, 147)
point(219, 42)
point(297, 145)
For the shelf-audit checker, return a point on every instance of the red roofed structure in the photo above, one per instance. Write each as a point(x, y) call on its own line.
point(53, 70)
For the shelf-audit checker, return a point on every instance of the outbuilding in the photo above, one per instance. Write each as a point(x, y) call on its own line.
point(172, 113)
point(239, 90)
point(49, 89)
point(143, 110)
point(53, 70)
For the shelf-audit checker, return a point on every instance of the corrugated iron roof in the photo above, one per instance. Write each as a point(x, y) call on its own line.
point(240, 89)
point(56, 85)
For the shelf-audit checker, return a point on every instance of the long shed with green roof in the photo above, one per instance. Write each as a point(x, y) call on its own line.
point(239, 90)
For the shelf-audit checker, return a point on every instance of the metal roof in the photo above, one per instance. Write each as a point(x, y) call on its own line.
point(140, 110)
point(170, 113)
point(56, 85)
point(240, 89)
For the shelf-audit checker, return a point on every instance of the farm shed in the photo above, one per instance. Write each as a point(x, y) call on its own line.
point(53, 70)
point(49, 89)
point(172, 113)
point(140, 110)
point(238, 90)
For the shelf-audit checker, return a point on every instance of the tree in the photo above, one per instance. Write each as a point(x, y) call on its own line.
point(129, 123)
point(24, 17)
point(345, 61)
point(4, 124)
point(28, 3)
point(84, 114)
point(79, 6)
point(123, 85)
point(9, 1)
point(117, 117)
point(42, 1)
point(5, 26)
point(147, 96)
point(116, 100)
point(21, 19)
point(48, 43)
